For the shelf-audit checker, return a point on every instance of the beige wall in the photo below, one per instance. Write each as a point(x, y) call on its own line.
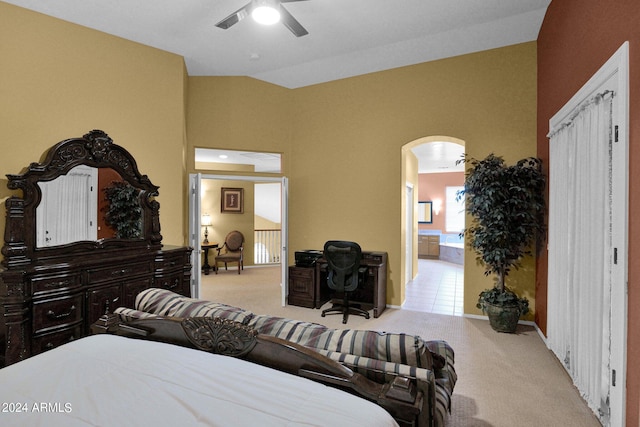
point(358, 126)
point(60, 80)
point(223, 223)
point(342, 141)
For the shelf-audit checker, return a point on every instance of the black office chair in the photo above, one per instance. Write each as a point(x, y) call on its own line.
point(343, 275)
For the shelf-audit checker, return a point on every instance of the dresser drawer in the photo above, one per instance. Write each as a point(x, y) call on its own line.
point(173, 282)
point(55, 339)
point(132, 288)
point(167, 261)
point(55, 282)
point(115, 272)
point(56, 312)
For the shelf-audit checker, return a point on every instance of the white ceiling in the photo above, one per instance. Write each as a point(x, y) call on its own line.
point(260, 162)
point(346, 37)
point(438, 157)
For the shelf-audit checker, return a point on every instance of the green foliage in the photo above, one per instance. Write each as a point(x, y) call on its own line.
point(508, 209)
point(123, 212)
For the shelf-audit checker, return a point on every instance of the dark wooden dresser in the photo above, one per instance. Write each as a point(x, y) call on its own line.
point(50, 295)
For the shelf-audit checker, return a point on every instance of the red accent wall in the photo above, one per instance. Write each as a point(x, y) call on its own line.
point(431, 186)
point(577, 37)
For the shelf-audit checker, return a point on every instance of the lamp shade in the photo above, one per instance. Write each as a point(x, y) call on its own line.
point(206, 219)
point(266, 12)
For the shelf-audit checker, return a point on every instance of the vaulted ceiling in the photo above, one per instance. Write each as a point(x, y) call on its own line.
point(346, 37)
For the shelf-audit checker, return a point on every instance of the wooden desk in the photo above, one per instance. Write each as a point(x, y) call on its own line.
point(372, 294)
point(308, 286)
point(206, 268)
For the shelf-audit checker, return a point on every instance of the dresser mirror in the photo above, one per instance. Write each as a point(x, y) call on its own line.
point(87, 194)
point(87, 203)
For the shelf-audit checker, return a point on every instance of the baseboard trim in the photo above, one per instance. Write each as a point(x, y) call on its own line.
point(485, 318)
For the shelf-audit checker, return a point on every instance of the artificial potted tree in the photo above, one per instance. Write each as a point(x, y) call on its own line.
point(508, 207)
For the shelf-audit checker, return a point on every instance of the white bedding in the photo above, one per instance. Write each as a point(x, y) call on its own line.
point(106, 380)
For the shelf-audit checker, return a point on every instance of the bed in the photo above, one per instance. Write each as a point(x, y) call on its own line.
point(194, 371)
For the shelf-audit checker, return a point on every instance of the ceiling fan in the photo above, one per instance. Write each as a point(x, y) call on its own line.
point(274, 12)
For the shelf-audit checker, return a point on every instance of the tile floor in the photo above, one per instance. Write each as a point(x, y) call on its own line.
point(438, 288)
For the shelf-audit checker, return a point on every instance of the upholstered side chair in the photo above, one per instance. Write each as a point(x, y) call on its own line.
point(231, 251)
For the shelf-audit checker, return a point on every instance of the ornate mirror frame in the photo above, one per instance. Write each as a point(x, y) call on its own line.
point(94, 149)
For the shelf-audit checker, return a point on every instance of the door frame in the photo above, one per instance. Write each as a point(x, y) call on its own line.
point(195, 225)
point(410, 233)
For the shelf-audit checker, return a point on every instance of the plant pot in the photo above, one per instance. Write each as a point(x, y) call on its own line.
point(503, 318)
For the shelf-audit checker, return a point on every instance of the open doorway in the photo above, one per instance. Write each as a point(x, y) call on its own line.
point(207, 201)
point(438, 283)
point(254, 205)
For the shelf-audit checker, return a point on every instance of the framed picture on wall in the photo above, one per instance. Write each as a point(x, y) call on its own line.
point(232, 200)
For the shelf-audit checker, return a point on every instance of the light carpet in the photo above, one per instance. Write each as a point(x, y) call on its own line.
point(504, 380)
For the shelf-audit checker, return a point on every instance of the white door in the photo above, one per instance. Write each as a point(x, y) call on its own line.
point(602, 384)
point(68, 208)
point(284, 198)
point(194, 232)
point(194, 225)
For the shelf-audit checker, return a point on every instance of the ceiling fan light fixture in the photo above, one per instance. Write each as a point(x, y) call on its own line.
point(266, 12)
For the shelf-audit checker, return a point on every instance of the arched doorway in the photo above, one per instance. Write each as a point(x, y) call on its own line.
point(432, 237)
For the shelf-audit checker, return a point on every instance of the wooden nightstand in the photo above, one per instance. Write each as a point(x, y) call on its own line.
point(206, 268)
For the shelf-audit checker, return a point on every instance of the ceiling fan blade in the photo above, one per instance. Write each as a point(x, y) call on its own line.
point(236, 16)
point(291, 23)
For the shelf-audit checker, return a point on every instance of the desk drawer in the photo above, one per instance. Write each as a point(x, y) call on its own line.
point(56, 312)
point(115, 272)
point(48, 283)
point(302, 287)
point(301, 272)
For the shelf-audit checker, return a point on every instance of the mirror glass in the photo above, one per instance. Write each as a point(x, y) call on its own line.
point(425, 212)
point(87, 204)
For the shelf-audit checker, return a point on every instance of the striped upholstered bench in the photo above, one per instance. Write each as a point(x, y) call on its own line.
point(161, 302)
point(377, 355)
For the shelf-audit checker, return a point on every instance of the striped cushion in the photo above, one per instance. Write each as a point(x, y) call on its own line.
point(445, 374)
point(398, 348)
point(166, 303)
point(376, 369)
point(291, 330)
point(129, 314)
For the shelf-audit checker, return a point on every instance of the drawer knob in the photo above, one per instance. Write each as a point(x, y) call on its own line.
point(52, 315)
